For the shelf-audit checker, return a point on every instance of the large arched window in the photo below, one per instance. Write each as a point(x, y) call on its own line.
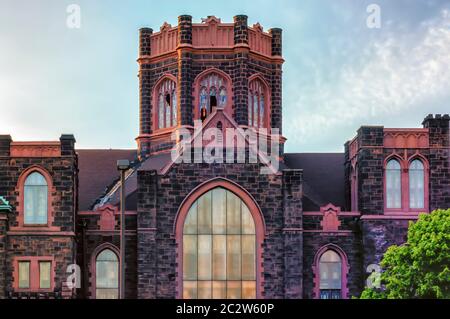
point(107, 275)
point(393, 184)
point(330, 268)
point(257, 103)
point(35, 200)
point(166, 102)
point(416, 184)
point(219, 247)
point(213, 91)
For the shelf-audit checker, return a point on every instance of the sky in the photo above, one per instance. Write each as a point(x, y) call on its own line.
point(339, 74)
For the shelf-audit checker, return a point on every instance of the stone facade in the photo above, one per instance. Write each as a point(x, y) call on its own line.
point(55, 240)
point(156, 188)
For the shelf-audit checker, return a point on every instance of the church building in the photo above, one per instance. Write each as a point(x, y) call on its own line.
point(214, 206)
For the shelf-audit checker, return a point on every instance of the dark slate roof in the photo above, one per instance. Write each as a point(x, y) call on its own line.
point(98, 176)
point(323, 176)
point(155, 162)
point(97, 171)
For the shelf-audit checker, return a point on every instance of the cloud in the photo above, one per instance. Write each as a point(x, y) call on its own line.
point(397, 73)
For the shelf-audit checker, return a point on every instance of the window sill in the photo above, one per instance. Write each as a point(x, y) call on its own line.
point(35, 228)
point(405, 212)
point(34, 291)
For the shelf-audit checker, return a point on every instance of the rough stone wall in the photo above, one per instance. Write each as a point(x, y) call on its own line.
point(439, 160)
point(161, 196)
point(58, 244)
point(348, 239)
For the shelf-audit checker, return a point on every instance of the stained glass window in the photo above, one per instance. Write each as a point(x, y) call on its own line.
point(416, 185)
point(219, 248)
point(167, 104)
point(107, 275)
point(257, 103)
point(393, 185)
point(35, 199)
point(213, 92)
point(174, 107)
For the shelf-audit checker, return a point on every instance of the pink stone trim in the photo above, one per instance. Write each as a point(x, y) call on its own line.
point(107, 221)
point(343, 214)
point(92, 266)
point(164, 41)
point(398, 216)
point(20, 202)
point(155, 105)
point(35, 149)
point(330, 221)
point(404, 164)
point(259, 41)
point(267, 97)
point(254, 210)
point(406, 138)
point(210, 34)
point(197, 88)
point(34, 273)
point(345, 267)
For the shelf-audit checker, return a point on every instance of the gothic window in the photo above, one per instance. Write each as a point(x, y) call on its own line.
point(416, 184)
point(167, 104)
point(35, 200)
point(107, 275)
point(212, 93)
point(257, 104)
point(330, 268)
point(393, 184)
point(219, 248)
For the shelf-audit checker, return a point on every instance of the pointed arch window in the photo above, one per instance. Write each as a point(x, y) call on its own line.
point(35, 200)
point(167, 104)
point(219, 248)
point(213, 93)
point(393, 184)
point(330, 269)
point(257, 104)
point(107, 275)
point(416, 184)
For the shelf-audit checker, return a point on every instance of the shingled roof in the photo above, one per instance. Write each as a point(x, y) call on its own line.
point(97, 171)
point(323, 175)
point(323, 178)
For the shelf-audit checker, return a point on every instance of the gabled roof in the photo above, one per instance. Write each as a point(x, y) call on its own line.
point(323, 178)
point(154, 162)
point(97, 171)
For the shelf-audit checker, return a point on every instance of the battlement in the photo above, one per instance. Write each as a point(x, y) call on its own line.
point(211, 33)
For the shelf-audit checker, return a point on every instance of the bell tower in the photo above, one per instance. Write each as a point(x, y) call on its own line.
point(186, 71)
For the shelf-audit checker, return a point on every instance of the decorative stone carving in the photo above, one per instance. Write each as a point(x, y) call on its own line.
point(35, 149)
point(330, 221)
point(406, 138)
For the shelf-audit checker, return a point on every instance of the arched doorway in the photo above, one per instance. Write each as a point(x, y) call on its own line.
point(219, 233)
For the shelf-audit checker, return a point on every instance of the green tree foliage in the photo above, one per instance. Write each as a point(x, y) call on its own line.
point(421, 267)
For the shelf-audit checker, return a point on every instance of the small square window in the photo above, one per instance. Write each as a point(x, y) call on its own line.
point(24, 274)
